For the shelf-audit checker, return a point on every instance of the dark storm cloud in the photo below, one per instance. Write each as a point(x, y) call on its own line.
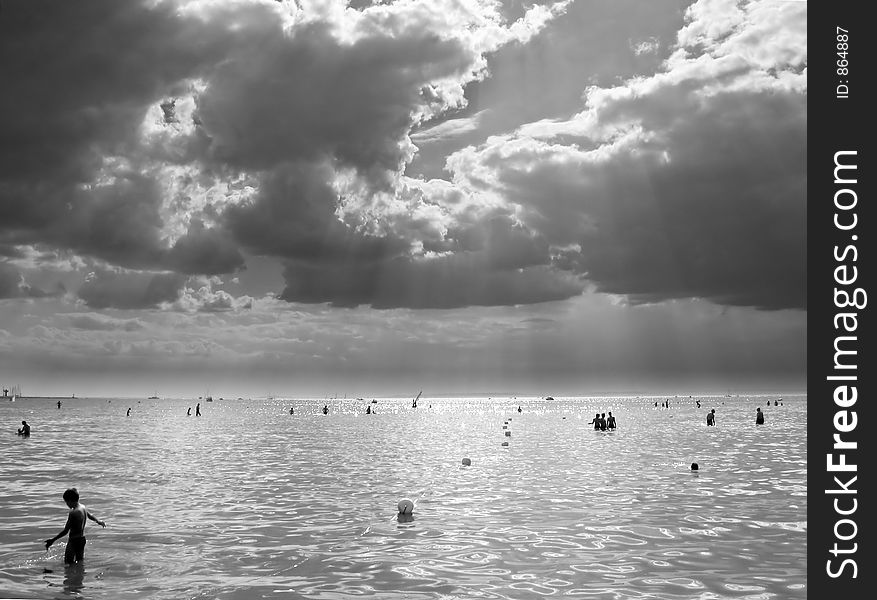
point(77, 173)
point(205, 251)
point(713, 207)
point(452, 282)
point(309, 97)
point(83, 75)
point(107, 289)
point(293, 216)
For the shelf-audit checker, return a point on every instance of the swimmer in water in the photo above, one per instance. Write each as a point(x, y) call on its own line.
point(24, 429)
point(596, 421)
point(759, 417)
point(711, 417)
point(610, 421)
point(75, 526)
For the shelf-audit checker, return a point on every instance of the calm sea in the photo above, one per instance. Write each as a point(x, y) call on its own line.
point(248, 501)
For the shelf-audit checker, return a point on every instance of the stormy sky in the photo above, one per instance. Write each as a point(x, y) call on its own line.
point(322, 197)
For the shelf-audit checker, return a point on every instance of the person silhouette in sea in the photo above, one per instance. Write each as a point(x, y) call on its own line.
point(291, 410)
point(75, 526)
point(189, 412)
point(519, 408)
point(368, 409)
point(325, 409)
point(128, 414)
point(610, 421)
point(24, 429)
point(59, 404)
point(198, 410)
point(603, 422)
point(759, 417)
point(711, 417)
point(596, 421)
point(774, 403)
point(698, 403)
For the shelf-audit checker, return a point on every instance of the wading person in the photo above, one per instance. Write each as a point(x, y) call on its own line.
point(75, 526)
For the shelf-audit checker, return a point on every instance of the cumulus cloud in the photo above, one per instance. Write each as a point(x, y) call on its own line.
point(207, 300)
point(690, 183)
point(285, 132)
point(128, 167)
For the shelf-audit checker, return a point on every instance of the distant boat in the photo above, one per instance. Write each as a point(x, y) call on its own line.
point(154, 397)
point(416, 398)
point(549, 398)
point(208, 399)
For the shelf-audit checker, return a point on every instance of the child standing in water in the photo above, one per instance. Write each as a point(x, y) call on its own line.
point(75, 526)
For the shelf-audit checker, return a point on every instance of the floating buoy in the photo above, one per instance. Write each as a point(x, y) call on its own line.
point(406, 507)
point(505, 443)
point(694, 467)
point(467, 462)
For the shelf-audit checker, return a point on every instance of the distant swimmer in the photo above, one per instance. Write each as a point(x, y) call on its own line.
point(128, 414)
point(519, 408)
point(24, 429)
point(774, 403)
point(711, 417)
point(603, 422)
point(291, 410)
point(75, 526)
point(368, 409)
point(610, 421)
point(698, 403)
point(596, 421)
point(759, 417)
point(59, 404)
point(189, 412)
point(325, 409)
point(198, 410)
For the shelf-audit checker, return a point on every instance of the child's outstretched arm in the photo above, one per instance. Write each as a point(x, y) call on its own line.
point(51, 541)
point(95, 519)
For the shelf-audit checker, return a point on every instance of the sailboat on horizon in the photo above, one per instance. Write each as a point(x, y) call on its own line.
point(416, 398)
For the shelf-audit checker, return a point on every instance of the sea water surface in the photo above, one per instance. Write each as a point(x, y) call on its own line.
point(248, 501)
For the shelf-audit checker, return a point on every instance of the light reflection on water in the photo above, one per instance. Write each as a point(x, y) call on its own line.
point(248, 501)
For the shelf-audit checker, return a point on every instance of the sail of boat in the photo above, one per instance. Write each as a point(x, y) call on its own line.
point(416, 398)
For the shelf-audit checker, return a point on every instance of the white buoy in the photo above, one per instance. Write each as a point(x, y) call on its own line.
point(406, 507)
point(467, 462)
